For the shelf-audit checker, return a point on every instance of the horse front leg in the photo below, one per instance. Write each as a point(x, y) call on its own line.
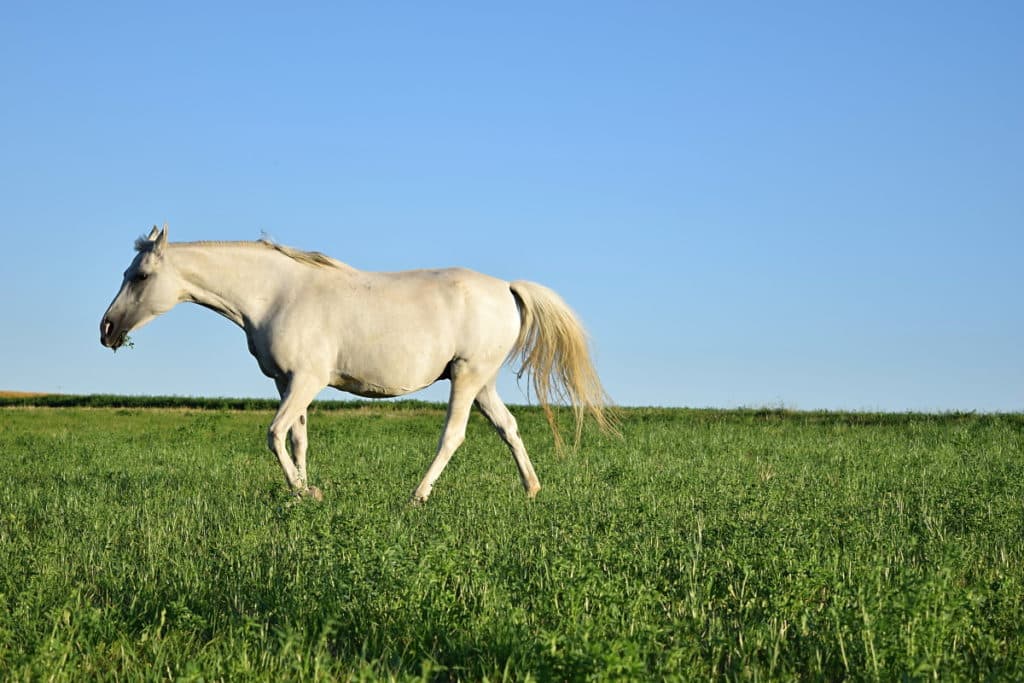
point(296, 396)
point(300, 442)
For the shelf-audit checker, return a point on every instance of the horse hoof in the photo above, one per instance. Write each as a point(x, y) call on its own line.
point(314, 493)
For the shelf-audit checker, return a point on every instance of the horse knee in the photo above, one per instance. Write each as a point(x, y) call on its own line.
point(274, 438)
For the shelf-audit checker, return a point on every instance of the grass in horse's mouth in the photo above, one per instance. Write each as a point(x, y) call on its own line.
point(124, 341)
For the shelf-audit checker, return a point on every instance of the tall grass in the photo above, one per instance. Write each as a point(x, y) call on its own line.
point(147, 544)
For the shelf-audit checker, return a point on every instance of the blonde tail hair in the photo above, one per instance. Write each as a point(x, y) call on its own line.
point(552, 347)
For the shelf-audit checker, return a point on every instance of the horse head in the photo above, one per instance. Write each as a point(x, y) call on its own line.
point(150, 287)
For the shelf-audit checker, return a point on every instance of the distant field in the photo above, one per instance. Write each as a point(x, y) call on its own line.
point(147, 542)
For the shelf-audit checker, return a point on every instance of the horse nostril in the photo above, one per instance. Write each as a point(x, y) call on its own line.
point(105, 327)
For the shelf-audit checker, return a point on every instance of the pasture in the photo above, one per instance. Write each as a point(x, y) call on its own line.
point(141, 543)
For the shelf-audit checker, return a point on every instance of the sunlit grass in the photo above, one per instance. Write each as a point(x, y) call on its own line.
point(145, 543)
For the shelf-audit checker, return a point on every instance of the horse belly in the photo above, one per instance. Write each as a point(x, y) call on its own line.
point(389, 370)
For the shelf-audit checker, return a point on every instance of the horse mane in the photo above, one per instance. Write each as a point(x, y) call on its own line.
point(310, 258)
point(143, 244)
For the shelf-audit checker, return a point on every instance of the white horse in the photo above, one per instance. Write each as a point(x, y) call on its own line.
point(312, 322)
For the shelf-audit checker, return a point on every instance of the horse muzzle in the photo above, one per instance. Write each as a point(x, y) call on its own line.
point(111, 336)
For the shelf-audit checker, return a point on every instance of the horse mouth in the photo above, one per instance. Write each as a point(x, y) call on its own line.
point(107, 336)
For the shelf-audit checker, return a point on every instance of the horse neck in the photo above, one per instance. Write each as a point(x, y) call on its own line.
point(239, 281)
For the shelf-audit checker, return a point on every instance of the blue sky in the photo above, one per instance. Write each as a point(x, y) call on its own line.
point(810, 205)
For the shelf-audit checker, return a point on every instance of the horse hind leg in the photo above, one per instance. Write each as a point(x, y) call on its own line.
point(464, 388)
point(504, 422)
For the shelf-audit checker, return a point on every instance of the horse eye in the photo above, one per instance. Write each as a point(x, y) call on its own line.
point(141, 276)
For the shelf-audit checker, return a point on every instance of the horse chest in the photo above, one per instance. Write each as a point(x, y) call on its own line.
point(260, 349)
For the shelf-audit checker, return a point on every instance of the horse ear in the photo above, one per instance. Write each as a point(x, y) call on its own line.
point(153, 233)
point(161, 240)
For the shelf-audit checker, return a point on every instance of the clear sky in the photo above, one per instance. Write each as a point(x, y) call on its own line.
point(800, 204)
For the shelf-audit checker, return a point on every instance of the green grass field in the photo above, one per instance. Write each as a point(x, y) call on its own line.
point(159, 543)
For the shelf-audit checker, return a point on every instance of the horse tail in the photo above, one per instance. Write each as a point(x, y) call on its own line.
point(552, 347)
